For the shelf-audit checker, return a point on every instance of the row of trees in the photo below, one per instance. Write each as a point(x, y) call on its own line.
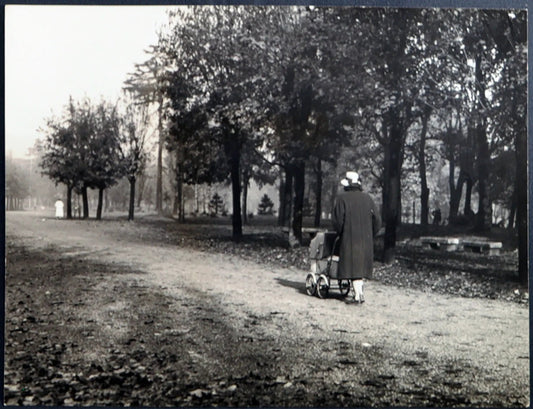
point(92, 146)
point(304, 93)
point(301, 87)
point(17, 187)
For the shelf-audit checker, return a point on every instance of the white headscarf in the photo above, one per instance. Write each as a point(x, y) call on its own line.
point(351, 179)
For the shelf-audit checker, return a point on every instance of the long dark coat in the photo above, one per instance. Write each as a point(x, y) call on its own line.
point(356, 219)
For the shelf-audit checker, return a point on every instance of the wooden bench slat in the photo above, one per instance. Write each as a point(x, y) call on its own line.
point(484, 244)
point(454, 243)
point(440, 240)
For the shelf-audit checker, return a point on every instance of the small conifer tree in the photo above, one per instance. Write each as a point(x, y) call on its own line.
point(216, 204)
point(266, 205)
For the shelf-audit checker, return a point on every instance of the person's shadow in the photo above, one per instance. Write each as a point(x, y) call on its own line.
point(300, 287)
point(297, 285)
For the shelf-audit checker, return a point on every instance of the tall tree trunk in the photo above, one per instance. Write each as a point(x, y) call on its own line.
point(424, 203)
point(299, 189)
point(318, 194)
point(333, 194)
point(245, 183)
point(205, 196)
point(455, 195)
point(456, 189)
point(175, 203)
point(467, 166)
point(392, 187)
point(100, 203)
point(281, 195)
point(484, 215)
point(181, 198)
point(287, 197)
point(236, 195)
point(78, 207)
point(398, 121)
point(85, 201)
point(69, 201)
point(513, 205)
point(175, 200)
point(131, 209)
point(467, 209)
point(424, 190)
point(521, 204)
point(232, 148)
point(159, 181)
point(454, 203)
point(179, 181)
point(196, 199)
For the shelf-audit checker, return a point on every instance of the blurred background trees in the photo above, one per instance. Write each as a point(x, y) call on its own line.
point(17, 185)
point(92, 147)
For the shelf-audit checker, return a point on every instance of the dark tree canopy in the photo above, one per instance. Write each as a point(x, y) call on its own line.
point(428, 105)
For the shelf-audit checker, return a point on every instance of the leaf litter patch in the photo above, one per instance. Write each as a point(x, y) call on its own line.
point(185, 352)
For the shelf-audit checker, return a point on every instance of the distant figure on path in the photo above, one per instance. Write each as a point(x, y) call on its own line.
point(59, 209)
point(356, 220)
point(437, 216)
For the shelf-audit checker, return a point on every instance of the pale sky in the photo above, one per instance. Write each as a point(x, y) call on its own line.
point(52, 52)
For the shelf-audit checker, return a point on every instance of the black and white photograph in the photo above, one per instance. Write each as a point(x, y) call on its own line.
point(266, 205)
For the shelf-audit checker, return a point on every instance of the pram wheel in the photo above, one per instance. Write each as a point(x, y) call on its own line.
point(310, 284)
point(344, 287)
point(322, 287)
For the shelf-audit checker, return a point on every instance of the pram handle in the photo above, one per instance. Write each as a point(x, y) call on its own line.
point(335, 242)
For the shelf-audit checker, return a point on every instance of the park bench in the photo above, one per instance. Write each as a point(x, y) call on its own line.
point(311, 231)
point(441, 243)
point(482, 246)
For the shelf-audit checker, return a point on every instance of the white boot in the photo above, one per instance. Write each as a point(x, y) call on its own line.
point(358, 287)
point(350, 297)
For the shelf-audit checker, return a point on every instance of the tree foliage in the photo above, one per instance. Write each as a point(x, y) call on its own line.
point(92, 147)
point(147, 85)
point(132, 146)
point(300, 87)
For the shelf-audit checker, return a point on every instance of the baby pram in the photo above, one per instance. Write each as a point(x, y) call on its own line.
point(323, 252)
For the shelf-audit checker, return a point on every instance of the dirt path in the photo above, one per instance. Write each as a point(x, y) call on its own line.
point(488, 336)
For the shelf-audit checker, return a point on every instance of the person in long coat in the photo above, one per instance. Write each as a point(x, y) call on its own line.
point(356, 220)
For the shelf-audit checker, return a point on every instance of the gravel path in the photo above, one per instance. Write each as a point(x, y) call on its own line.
point(404, 325)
